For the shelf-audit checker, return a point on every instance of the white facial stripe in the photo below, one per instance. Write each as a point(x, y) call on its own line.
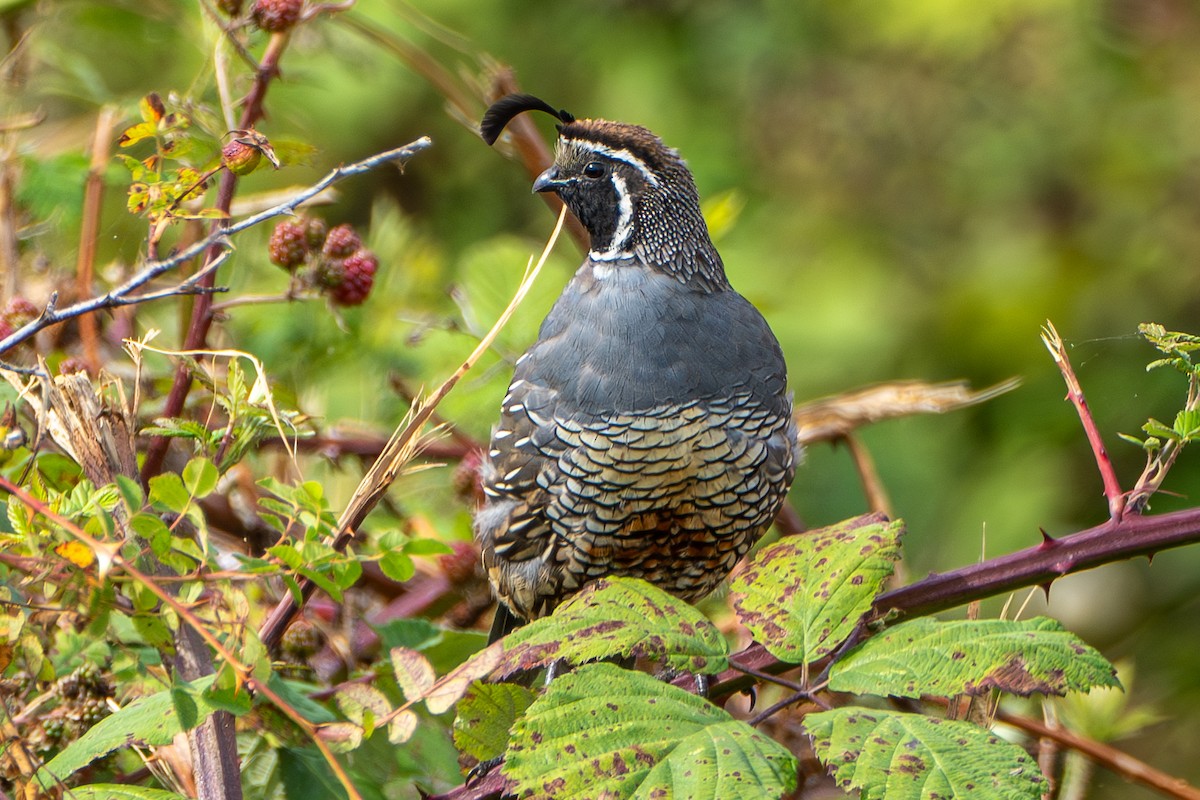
point(624, 229)
point(618, 155)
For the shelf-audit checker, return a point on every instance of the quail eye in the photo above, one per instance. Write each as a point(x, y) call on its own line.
point(594, 169)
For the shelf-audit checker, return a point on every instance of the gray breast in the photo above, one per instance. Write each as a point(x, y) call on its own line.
point(627, 338)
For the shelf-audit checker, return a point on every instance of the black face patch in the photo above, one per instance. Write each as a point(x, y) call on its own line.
point(597, 203)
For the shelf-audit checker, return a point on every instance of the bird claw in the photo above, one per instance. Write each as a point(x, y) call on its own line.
point(701, 682)
point(483, 768)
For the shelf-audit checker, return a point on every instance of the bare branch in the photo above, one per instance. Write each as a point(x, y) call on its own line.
point(126, 293)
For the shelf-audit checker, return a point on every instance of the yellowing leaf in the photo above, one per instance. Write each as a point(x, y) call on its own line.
point(77, 553)
point(402, 727)
point(413, 671)
point(152, 108)
point(136, 133)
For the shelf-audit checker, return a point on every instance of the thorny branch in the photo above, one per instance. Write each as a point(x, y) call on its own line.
point(1114, 540)
point(124, 294)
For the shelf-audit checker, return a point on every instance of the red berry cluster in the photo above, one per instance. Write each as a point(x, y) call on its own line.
point(336, 261)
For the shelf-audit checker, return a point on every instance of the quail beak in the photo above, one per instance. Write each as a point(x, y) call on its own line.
point(548, 181)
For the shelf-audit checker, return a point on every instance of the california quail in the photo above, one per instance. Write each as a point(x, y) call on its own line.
point(648, 431)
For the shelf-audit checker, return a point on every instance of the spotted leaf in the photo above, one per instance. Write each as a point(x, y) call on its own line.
point(925, 656)
point(802, 596)
point(643, 739)
point(897, 756)
point(485, 715)
point(619, 617)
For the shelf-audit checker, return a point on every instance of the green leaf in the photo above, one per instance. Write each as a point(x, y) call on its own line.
point(296, 695)
point(305, 774)
point(397, 566)
point(151, 529)
point(168, 490)
point(131, 492)
point(288, 554)
point(897, 756)
point(485, 715)
point(187, 707)
point(151, 720)
point(642, 739)
point(154, 630)
point(323, 581)
point(20, 519)
point(925, 656)
point(200, 477)
point(227, 693)
point(117, 791)
point(804, 595)
point(1155, 428)
point(619, 617)
point(179, 428)
point(427, 547)
point(1187, 424)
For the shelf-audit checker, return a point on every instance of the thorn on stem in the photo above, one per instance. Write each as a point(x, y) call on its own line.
point(1048, 541)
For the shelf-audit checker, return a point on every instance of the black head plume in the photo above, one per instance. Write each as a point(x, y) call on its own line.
point(503, 110)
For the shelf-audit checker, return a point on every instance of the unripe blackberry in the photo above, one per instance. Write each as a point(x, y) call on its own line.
point(92, 711)
point(95, 681)
point(288, 245)
point(301, 640)
point(276, 16)
point(54, 728)
point(240, 158)
point(315, 232)
point(358, 276)
point(341, 242)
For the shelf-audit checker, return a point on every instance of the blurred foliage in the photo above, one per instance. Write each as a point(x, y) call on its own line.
point(921, 182)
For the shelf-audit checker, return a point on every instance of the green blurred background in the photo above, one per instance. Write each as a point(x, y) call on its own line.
point(921, 184)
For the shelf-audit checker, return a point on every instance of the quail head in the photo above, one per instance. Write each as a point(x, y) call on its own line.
point(648, 432)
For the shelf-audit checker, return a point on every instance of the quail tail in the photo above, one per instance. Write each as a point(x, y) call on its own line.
point(504, 623)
